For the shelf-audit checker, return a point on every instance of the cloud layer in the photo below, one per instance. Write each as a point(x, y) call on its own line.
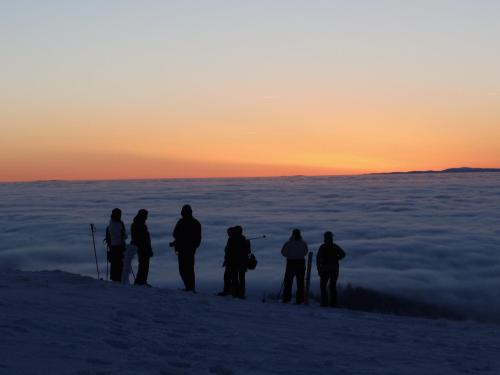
point(434, 238)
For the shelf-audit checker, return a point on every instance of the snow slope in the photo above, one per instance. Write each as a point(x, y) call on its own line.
point(60, 323)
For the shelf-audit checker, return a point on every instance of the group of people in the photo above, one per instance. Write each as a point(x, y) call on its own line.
point(187, 238)
point(237, 256)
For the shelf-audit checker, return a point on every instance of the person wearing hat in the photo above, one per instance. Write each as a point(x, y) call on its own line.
point(327, 263)
point(187, 238)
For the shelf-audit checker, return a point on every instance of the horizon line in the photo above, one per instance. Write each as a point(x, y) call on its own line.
point(232, 177)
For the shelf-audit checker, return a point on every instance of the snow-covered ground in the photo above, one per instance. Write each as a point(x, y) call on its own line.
point(61, 323)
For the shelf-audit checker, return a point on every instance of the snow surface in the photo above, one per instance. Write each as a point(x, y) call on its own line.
point(423, 237)
point(60, 323)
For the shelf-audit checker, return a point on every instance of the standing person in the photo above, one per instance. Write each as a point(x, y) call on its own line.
point(187, 238)
point(116, 235)
point(237, 252)
point(294, 250)
point(327, 262)
point(142, 240)
point(227, 270)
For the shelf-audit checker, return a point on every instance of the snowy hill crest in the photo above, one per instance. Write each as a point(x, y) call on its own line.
point(60, 323)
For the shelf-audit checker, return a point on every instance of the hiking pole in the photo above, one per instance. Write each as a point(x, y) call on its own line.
point(93, 230)
point(257, 238)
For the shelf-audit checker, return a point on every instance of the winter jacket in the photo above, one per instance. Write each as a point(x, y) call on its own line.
point(141, 239)
point(116, 234)
point(328, 257)
point(187, 234)
point(294, 249)
point(237, 252)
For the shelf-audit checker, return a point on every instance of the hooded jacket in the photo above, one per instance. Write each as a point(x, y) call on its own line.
point(328, 257)
point(294, 249)
point(116, 234)
point(187, 234)
point(141, 238)
point(236, 252)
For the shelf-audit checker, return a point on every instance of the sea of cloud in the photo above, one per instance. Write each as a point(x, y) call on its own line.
point(431, 237)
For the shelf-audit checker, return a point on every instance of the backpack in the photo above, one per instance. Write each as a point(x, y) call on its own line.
point(252, 262)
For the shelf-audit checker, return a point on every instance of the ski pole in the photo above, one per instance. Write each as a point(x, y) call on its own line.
point(93, 230)
point(257, 238)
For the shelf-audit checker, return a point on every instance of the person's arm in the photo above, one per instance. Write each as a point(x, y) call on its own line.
point(306, 248)
point(175, 234)
point(248, 247)
point(340, 253)
point(198, 234)
point(133, 234)
point(226, 254)
point(284, 250)
point(108, 237)
point(124, 231)
point(148, 239)
point(319, 259)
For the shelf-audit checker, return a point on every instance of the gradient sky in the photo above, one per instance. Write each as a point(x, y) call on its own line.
point(144, 89)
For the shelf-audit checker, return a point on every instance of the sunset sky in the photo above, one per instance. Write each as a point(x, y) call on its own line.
point(148, 89)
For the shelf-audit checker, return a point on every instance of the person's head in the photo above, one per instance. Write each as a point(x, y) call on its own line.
point(116, 214)
point(142, 216)
point(238, 230)
point(328, 237)
point(230, 231)
point(296, 235)
point(186, 211)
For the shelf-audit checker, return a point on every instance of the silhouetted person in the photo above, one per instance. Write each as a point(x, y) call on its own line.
point(227, 270)
point(237, 252)
point(116, 235)
point(187, 238)
point(294, 250)
point(142, 239)
point(327, 262)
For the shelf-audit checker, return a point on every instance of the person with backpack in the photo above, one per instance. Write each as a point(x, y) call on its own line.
point(142, 240)
point(236, 259)
point(294, 250)
point(116, 235)
point(327, 262)
point(187, 238)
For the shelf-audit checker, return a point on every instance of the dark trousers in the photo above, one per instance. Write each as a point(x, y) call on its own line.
point(115, 258)
point(295, 268)
point(186, 269)
point(325, 277)
point(143, 270)
point(238, 282)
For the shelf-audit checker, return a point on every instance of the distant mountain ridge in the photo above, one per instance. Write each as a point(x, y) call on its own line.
point(449, 170)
